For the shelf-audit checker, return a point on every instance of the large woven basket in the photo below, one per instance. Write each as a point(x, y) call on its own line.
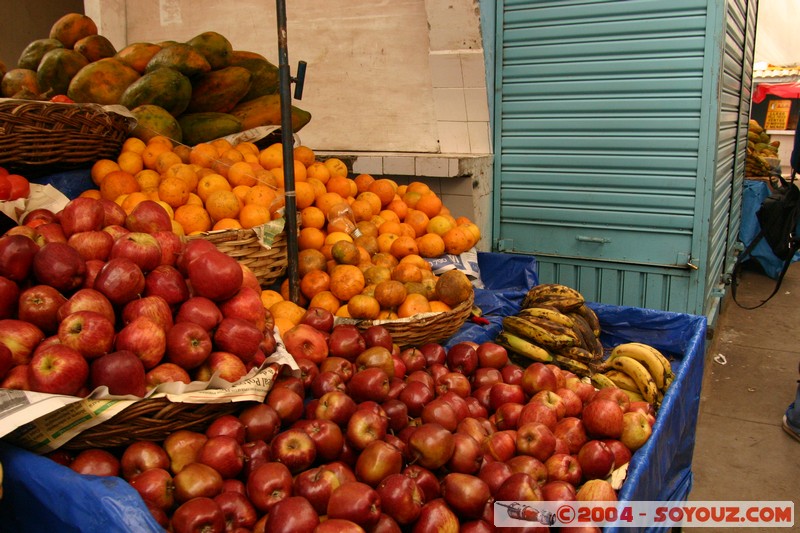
point(35, 133)
point(434, 327)
point(268, 264)
point(151, 419)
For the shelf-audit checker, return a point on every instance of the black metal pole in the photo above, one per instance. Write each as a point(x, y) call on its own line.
point(287, 138)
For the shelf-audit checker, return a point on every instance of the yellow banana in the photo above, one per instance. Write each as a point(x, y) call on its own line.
point(538, 333)
point(646, 357)
point(548, 313)
point(591, 318)
point(548, 290)
point(634, 396)
point(622, 380)
point(661, 357)
point(581, 354)
point(523, 347)
point(637, 371)
point(574, 366)
point(601, 381)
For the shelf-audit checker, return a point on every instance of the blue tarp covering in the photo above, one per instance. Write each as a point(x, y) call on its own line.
point(40, 495)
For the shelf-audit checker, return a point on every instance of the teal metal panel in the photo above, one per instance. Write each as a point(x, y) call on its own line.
point(617, 138)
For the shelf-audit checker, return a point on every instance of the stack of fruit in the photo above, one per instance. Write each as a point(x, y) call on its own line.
point(13, 186)
point(190, 91)
point(370, 437)
point(554, 325)
point(760, 149)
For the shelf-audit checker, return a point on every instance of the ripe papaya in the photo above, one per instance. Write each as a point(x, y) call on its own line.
point(219, 90)
point(182, 57)
point(216, 48)
point(95, 47)
point(102, 82)
point(57, 69)
point(71, 28)
point(266, 110)
point(203, 127)
point(263, 74)
point(17, 79)
point(164, 87)
point(152, 120)
point(32, 54)
point(138, 55)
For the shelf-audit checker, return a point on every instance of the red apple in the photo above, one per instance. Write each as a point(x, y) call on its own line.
point(494, 473)
point(564, 467)
point(196, 480)
point(434, 353)
point(199, 310)
point(188, 345)
point(573, 406)
point(603, 419)
point(239, 513)
point(182, 447)
point(636, 430)
point(290, 515)
point(38, 305)
point(229, 426)
point(585, 391)
point(198, 514)
point(378, 335)
point(327, 436)
point(357, 502)
point(572, 431)
point(87, 299)
point(94, 244)
point(120, 280)
point(376, 461)
point(95, 462)
point(622, 454)
point(224, 454)
point(225, 365)
point(401, 498)
point(153, 307)
point(58, 369)
point(430, 445)
point(144, 337)
point(467, 455)
point(155, 485)
point(268, 484)
point(168, 283)
point(500, 445)
point(191, 251)
point(82, 214)
point(614, 394)
point(346, 341)
point(294, 448)
point(171, 246)
point(559, 491)
point(215, 275)
point(318, 318)
point(141, 248)
point(536, 440)
point(142, 455)
point(369, 384)
point(50, 232)
point(538, 377)
point(246, 304)
point(16, 378)
point(93, 267)
point(39, 213)
point(413, 358)
point(305, 341)
point(645, 407)
point(113, 214)
point(9, 298)
point(148, 217)
point(366, 426)
point(256, 453)
point(596, 490)
point(539, 412)
point(88, 332)
point(462, 357)
point(416, 395)
point(166, 373)
point(122, 372)
point(115, 230)
point(336, 406)
point(512, 373)
point(519, 487)
point(492, 355)
point(465, 494)
point(59, 265)
point(436, 515)
point(596, 460)
point(239, 337)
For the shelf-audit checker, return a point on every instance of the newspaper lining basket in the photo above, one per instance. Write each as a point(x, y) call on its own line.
point(268, 265)
point(38, 134)
point(151, 419)
point(432, 328)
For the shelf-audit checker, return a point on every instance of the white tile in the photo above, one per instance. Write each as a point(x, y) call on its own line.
point(446, 70)
point(431, 166)
point(454, 137)
point(479, 139)
point(473, 69)
point(452, 167)
point(477, 105)
point(400, 165)
point(450, 104)
point(368, 165)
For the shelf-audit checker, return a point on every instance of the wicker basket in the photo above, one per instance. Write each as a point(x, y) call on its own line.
point(243, 245)
point(432, 328)
point(151, 420)
point(34, 133)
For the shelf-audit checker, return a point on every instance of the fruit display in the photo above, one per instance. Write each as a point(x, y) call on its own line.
point(191, 92)
point(13, 186)
point(554, 325)
point(760, 148)
point(369, 437)
point(94, 296)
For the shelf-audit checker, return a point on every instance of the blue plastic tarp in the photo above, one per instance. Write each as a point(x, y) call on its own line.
point(40, 495)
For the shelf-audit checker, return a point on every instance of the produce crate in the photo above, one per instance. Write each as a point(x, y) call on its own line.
point(42, 134)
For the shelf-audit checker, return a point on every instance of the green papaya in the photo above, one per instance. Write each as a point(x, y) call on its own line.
point(32, 54)
point(152, 120)
point(203, 127)
point(216, 48)
point(265, 111)
point(102, 82)
point(164, 87)
point(219, 90)
point(182, 57)
point(263, 74)
point(56, 70)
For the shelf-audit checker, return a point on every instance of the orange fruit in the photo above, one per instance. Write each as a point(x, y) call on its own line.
point(211, 183)
point(130, 162)
point(373, 200)
point(318, 186)
point(241, 173)
point(193, 218)
point(385, 259)
point(439, 307)
point(203, 154)
point(362, 210)
point(287, 310)
point(326, 201)
point(336, 167)
point(390, 226)
point(403, 246)
point(387, 214)
point(367, 228)
point(418, 222)
point(194, 200)
point(340, 185)
point(270, 297)
point(91, 193)
point(309, 238)
point(430, 204)
point(183, 152)
point(101, 168)
point(222, 145)
point(132, 200)
point(233, 155)
point(117, 183)
point(406, 272)
point(247, 147)
point(223, 204)
point(325, 300)
point(312, 217)
point(271, 156)
point(151, 152)
point(457, 240)
point(345, 253)
point(252, 215)
point(226, 223)
point(346, 281)
point(384, 189)
point(241, 192)
point(304, 154)
point(363, 182)
point(385, 241)
point(319, 171)
point(304, 195)
point(418, 187)
point(162, 141)
point(413, 304)
point(399, 207)
point(363, 307)
point(410, 198)
point(148, 179)
point(439, 225)
point(390, 293)
point(342, 312)
point(262, 195)
point(369, 243)
point(185, 172)
point(165, 160)
point(133, 144)
point(430, 245)
point(310, 259)
point(314, 282)
point(418, 261)
point(407, 230)
point(333, 237)
point(375, 274)
point(173, 191)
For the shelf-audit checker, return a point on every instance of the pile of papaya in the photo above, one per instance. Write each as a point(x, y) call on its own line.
point(191, 92)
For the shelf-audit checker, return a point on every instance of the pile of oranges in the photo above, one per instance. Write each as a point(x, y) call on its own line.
point(377, 272)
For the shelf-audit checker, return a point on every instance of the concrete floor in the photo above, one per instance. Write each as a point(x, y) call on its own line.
point(741, 452)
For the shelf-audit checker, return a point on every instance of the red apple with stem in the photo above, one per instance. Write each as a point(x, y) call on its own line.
point(58, 369)
point(292, 514)
point(142, 455)
point(198, 514)
point(188, 345)
point(38, 304)
point(268, 484)
point(401, 498)
point(88, 332)
point(357, 502)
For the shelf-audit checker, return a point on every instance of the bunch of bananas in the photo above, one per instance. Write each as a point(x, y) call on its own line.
point(640, 370)
point(760, 147)
point(554, 325)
